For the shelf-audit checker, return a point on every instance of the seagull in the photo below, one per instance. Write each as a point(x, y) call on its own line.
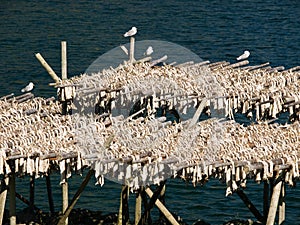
point(131, 32)
point(149, 51)
point(245, 55)
point(28, 88)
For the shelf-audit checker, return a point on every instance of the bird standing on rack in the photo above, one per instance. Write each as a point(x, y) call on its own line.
point(131, 32)
point(245, 55)
point(28, 88)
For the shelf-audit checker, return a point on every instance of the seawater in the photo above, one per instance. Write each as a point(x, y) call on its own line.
point(214, 30)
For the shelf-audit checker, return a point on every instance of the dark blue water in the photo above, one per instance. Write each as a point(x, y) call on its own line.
point(214, 30)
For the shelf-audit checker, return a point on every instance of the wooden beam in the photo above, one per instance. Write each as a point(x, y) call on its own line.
point(274, 203)
point(26, 201)
point(266, 200)
point(138, 207)
point(281, 216)
point(31, 192)
point(12, 199)
point(49, 192)
point(76, 197)
point(64, 60)
point(131, 50)
point(162, 208)
point(3, 195)
point(65, 199)
point(249, 204)
point(47, 67)
point(123, 217)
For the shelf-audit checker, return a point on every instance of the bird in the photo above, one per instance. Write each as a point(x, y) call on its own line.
point(131, 32)
point(245, 55)
point(28, 88)
point(149, 51)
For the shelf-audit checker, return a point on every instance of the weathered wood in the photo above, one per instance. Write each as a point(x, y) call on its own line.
point(31, 192)
point(157, 61)
point(162, 208)
point(266, 200)
point(138, 207)
point(12, 199)
point(76, 197)
point(65, 198)
point(63, 60)
point(281, 216)
point(274, 203)
point(27, 202)
point(198, 113)
point(49, 192)
point(131, 50)
point(3, 195)
point(249, 204)
point(123, 217)
point(47, 67)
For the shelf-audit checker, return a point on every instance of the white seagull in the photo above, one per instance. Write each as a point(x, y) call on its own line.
point(245, 55)
point(131, 32)
point(149, 51)
point(28, 88)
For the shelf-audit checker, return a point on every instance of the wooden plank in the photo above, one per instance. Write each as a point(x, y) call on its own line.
point(274, 203)
point(131, 50)
point(76, 197)
point(123, 217)
point(138, 207)
point(65, 200)
point(198, 113)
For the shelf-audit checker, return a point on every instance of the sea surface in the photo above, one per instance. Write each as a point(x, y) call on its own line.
point(214, 30)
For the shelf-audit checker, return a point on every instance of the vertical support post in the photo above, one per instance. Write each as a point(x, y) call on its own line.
point(49, 192)
point(12, 199)
point(281, 217)
point(266, 200)
point(63, 60)
point(31, 192)
point(3, 194)
point(123, 217)
point(65, 199)
point(138, 207)
point(131, 50)
point(274, 203)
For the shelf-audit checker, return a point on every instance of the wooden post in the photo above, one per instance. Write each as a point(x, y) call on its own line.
point(131, 50)
point(266, 200)
point(3, 194)
point(162, 208)
point(281, 217)
point(274, 203)
point(31, 192)
point(65, 200)
point(49, 192)
point(47, 67)
point(249, 204)
point(123, 217)
point(162, 198)
point(76, 197)
point(12, 199)
point(138, 207)
point(63, 60)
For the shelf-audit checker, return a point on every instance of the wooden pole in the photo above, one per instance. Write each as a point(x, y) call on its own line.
point(138, 207)
point(162, 198)
point(12, 199)
point(76, 197)
point(65, 200)
point(281, 217)
point(266, 200)
point(131, 50)
point(3, 195)
point(249, 204)
point(198, 113)
point(63, 60)
point(274, 203)
point(47, 67)
point(31, 192)
point(49, 192)
point(162, 208)
point(123, 217)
